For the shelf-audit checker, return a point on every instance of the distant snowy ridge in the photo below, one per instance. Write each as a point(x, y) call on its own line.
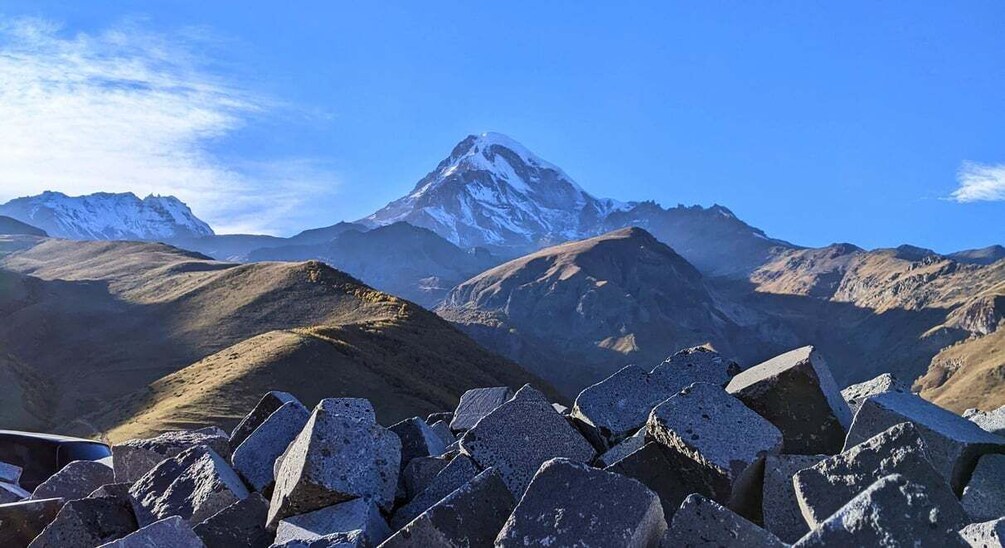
point(107, 216)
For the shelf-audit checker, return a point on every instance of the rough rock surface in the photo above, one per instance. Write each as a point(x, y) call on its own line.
point(266, 406)
point(342, 518)
point(626, 447)
point(571, 504)
point(417, 440)
point(992, 421)
point(855, 394)
point(442, 430)
point(704, 523)
point(779, 506)
point(620, 404)
point(420, 472)
point(134, 458)
point(827, 486)
point(984, 496)
point(76, 480)
point(892, 512)
point(796, 392)
point(952, 443)
point(240, 524)
point(20, 522)
point(256, 456)
point(193, 485)
point(519, 436)
point(470, 516)
point(86, 522)
point(9, 473)
point(699, 427)
point(989, 534)
point(475, 404)
point(170, 532)
point(341, 454)
point(460, 471)
point(651, 466)
point(697, 364)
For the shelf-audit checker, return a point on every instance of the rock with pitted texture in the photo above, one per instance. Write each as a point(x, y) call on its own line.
point(780, 510)
point(20, 522)
point(984, 496)
point(240, 524)
point(475, 404)
point(74, 481)
point(339, 519)
point(703, 523)
point(85, 523)
point(460, 471)
point(255, 458)
point(134, 458)
point(266, 406)
point(989, 534)
point(170, 532)
point(855, 394)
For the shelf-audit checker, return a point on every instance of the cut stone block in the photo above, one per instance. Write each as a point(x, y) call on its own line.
point(193, 485)
point(827, 486)
point(266, 406)
point(990, 534)
point(796, 392)
point(460, 471)
point(651, 466)
point(621, 450)
point(519, 436)
point(475, 404)
point(240, 524)
point(10, 492)
point(572, 504)
point(714, 437)
point(76, 480)
point(701, 522)
point(991, 421)
point(352, 539)
point(9, 473)
point(169, 532)
point(855, 394)
point(134, 458)
point(470, 516)
point(779, 506)
point(892, 512)
point(20, 522)
point(417, 440)
point(442, 431)
point(341, 454)
point(952, 443)
point(697, 364)
point(85, 523)
point(255, 458)
point(354, 515)
point(420, 472)
point(984, 496)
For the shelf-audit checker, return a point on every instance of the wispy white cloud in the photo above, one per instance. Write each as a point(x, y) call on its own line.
point(980, 183)
point(132, 110)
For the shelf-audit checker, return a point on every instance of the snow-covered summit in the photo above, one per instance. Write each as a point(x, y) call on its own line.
point(107, 216)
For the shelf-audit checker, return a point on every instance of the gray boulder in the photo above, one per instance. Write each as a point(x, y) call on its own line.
point(9, 473)
point(417, 440)
point(989, 534)
point(460, 471)
point(796, 392)
point(20, 522)
point(442, 431)
point(827, 486)
point(345, 517)
point(171, 532)
point(76, 480)
point(134, 458)
point(984, 496)
point(85, 523)
point(991, 421)
point(892, 512)
point(703, 523)
point(626, 447)
point(240, 524)
point(419, 472)
point(266, 406)
point(445, 416)
point(571, 504)
point(341, 454)
point(855, 394)
point(519, 436)
point(193, 485)
point(619, 405)
point(470, 516)
point(697, 364)
point(651, 466)
point(475, 404)
point(255, 458)
point(780, 510)
point(952, 443)
point(712, 437)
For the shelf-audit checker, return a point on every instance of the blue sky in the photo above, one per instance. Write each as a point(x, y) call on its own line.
point(874, 123)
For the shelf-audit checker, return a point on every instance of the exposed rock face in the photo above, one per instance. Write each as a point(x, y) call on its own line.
point(240, 524)
point(475, 404)
point(134, 458)
point(75, 481)
point(20, 522)
point(779, 505)
point(86, 522)
point(704, 523)
point(171, 531)
point(255, 457)
point(989, 534)
point(855, 394)
point(266, 406)
point(984, 496)
point(993, 421)
point(360, 515)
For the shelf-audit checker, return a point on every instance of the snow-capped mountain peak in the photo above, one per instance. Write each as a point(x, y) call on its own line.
point(107, 216)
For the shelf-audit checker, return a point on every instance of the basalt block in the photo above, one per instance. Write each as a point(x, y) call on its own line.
point(85, 523)
point(458, 472)
point(984, 496)
point(20, 522)
point(169, 532)
point(256, 456)
point(240, 524)
point(340, 519)
point(855, 394)
point(266, 406)
point(417, 440)
point(780, 510)
point(988, 534)
point(650, 465)
point(475, 404)
point(76, 480)
point(134, 458)
point(703, 523)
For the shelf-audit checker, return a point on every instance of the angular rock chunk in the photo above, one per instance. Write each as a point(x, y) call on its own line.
point(519, 436)
point(172, 531)
point(626, 447)
point(529, 393)
point(266, 406)
point(341, 454)
point(355, 515)
point(697, 364)
point(9, 473)
point(952, 443)
point(470, 516)
point(86, 522)
point(352, 539)
point(475, 404)
point(991, 421)
point(704, 523)
point(255, 458)
point(855, 394)
point(892, 512)
point(619, 405)
point(445, 416)
point(572, 504)
point(240, 524)
point(460, 471)
point(20, 522)
point(417, 440)
point(118, 491)
point(714, 437)
point(76, 480)
point(779, 506)
point(420, 472)
point(990, 534)
point(984, 497)
point(796, 392)
point(827, 486)
point(651, 466)
point(134, 458)
point(193, 485)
